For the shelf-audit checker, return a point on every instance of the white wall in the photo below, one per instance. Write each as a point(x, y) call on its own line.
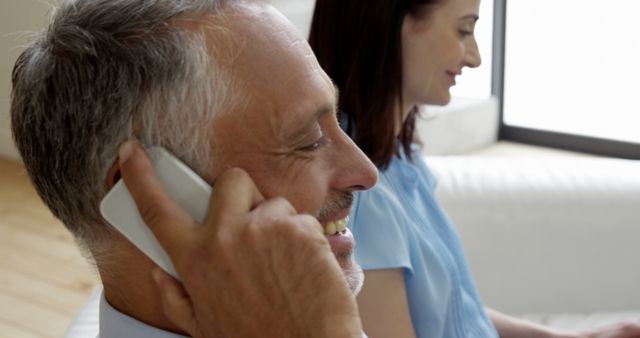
point(299, 12)
point(463, 126)
point(17, 17)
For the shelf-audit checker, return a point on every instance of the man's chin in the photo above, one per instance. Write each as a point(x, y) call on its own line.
point(355, 278)
point(353, 273)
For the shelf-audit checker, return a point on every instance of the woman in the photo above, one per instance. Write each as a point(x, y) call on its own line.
point(387, 57)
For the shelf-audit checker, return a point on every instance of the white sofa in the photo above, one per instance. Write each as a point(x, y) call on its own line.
point(550, 236)
point(547, 235)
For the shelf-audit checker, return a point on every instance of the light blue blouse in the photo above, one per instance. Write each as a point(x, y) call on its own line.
point(399, 224)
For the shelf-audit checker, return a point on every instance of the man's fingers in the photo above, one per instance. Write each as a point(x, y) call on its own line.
point(309, 224)
point(175, 301)
point(274, 207)
point(234, 194)
point(163, 216)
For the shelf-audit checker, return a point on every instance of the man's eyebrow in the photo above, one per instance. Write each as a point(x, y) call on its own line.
point(336, 91)
point(310, 123)
point(329, 108)
point(319, 114)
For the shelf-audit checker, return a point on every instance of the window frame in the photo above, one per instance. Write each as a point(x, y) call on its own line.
point(545, 138)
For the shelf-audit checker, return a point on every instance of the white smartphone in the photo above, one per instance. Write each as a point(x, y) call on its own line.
point(184, 186)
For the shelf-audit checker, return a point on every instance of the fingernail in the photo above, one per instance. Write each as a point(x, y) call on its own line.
point(125, 151)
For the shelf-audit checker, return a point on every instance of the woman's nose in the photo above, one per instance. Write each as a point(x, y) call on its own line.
point(472, 57)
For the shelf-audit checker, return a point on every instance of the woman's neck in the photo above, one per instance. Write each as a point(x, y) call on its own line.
point(404, 111)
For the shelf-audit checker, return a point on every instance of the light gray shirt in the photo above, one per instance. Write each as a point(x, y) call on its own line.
point(115, 324)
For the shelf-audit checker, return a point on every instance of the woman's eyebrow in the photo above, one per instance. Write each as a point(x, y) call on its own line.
point(475, 17)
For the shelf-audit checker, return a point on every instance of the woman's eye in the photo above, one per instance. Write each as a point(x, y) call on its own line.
point(466, 29)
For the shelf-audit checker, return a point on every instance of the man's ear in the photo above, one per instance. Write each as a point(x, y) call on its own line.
point(113, 175)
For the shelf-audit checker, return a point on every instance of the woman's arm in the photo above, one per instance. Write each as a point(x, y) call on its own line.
point(511, 327)
point(383, 305)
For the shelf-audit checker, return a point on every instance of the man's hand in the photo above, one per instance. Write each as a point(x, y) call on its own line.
point(255, 268)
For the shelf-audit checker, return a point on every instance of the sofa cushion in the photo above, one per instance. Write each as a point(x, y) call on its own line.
point(548, 235)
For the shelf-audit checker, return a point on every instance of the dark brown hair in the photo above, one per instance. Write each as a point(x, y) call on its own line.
point(359, 44)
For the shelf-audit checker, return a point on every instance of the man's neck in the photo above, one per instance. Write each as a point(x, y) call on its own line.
point(129, 288)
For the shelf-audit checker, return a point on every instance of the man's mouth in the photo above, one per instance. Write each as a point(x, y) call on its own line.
point(335, 227)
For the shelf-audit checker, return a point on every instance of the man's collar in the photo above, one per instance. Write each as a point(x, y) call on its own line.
point(115, 324)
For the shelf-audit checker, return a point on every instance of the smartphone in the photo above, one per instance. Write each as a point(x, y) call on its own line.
point(183, 185)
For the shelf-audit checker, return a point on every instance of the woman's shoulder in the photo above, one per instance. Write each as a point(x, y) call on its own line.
point(412, 171)
point(381, 226)
point(381, 201)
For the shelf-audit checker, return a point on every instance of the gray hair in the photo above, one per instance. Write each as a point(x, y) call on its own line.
point(106, 71)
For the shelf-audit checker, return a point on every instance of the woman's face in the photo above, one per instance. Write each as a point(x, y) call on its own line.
point(436, 48)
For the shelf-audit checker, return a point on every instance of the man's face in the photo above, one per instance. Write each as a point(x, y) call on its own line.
point(286, 135)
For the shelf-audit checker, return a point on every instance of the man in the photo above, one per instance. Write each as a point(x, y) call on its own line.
point(231, 89)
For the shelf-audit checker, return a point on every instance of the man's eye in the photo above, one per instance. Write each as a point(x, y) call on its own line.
point(313, 146)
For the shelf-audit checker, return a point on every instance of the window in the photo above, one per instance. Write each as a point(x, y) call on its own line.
point(572, 75)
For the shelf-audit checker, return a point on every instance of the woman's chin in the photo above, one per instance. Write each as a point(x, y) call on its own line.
point(440, 100)
point(439, 97)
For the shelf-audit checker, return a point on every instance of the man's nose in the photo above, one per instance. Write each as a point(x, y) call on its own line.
point(356, 171)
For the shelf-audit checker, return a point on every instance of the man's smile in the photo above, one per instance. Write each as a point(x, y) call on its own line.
point(340, 237)
point(333, 227)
